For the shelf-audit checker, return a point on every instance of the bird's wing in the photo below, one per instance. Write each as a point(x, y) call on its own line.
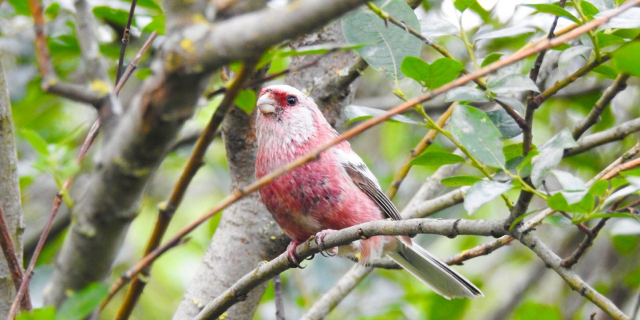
point(367, 182)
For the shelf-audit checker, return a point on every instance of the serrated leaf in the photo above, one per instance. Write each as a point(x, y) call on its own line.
point(437, 27)
point(512, 83)
point(36, 141)
point(568, 181)
point(156, 24)
point(44, 313)
point(435, 159)
point(504, 122)
point(491, 59)
point(432, 76)
point(606, 71)
point(459, 181)
point(482, 192)
point(504, 33)
point(246, 100)
point(475, 131)
point(357, 113)
point(462, 5)
point(83, 302)
point(550, 155)
point(470, 94)
point(554, 10)
point(384, 47)
point(625, 58)
point(572, 53)
point(117, 16)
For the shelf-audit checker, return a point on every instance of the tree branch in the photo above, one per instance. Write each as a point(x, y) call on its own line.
point(9, 201)
point(618, 132)
point(593, 117)
point(13, 263)
point(573, 280)
point(450, 228)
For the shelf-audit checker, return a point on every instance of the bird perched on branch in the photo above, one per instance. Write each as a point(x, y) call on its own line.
point(335, 191)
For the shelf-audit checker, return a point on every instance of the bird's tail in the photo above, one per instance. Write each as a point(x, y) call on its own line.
point(433, 272)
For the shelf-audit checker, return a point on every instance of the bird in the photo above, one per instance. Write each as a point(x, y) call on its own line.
point(333, 192)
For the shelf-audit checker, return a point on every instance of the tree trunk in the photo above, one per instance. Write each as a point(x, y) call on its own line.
point(9, 193)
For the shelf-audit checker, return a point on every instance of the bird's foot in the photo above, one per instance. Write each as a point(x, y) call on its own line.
point(291, 254)
point(319, 239)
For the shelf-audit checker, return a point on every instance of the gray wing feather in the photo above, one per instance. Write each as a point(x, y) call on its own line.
point(371, 189)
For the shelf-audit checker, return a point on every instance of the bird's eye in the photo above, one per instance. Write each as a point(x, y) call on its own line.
point(291, 100)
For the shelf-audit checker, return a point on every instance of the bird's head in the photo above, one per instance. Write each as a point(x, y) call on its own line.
point(286, 113)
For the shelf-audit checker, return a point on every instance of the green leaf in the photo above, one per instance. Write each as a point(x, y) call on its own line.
point(554, 10)
point(491, 59)
point(515, 104)
point(626, 58)
point(357, 113)
point(52, 10)
point(588, 9)
point(550, 155)
point(117, 16)
point(83, 302)
point(504, 33)
point(156, 24)
point(36, 141)
point(511, 83)
point(475, 131)
point(599, 187)
point(559, 202)
point(21, 7)
point(572, 53)
point(246, 100)
point(561, 47)
point(384, 47)
point(470, 94)
point(568, 181)
point(435, 159)
point(432, 76)
point(607, 39)
point(482, 192)
point(44, 313)
point(459, 181)
point(504, 122)
point(606, 71)
point(143, 73)
point(462, 5)
point(437, 27)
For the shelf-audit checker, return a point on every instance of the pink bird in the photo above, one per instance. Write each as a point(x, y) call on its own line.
point(334, 192)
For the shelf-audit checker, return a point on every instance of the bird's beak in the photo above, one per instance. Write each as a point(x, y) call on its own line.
point(266, 104)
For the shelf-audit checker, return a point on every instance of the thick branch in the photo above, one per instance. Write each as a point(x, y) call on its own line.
point(616, 133)
point(9, 194)
point(450, 228)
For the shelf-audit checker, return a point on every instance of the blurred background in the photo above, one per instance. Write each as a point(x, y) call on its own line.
point(516, 284)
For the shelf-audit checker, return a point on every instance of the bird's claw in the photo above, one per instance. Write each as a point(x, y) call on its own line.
point(319, 239)
point(291, 254)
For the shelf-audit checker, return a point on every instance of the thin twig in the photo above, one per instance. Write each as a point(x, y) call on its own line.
point(126, 34)
point(168, 208)
point(622, 167)
point(134, 63)
point(593, 117)
point(15, 268)
point(278, 293)
point(542, 45)
point(50, 82)
point(426, 141)
point(618, 132)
